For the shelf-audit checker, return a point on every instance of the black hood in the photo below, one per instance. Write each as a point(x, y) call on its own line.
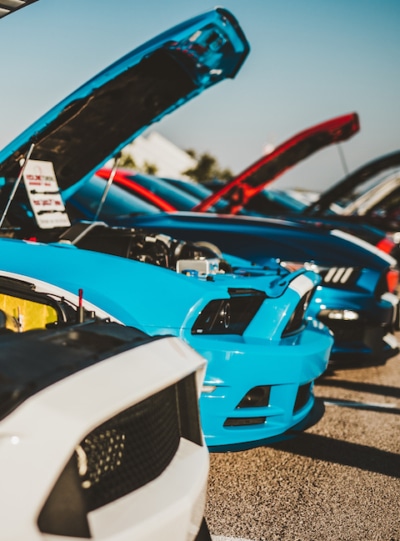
point(352, 180)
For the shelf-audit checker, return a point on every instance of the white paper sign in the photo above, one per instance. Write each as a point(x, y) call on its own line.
point(44, 195)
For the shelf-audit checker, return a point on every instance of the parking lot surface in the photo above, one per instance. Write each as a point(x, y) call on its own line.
point(338, 481)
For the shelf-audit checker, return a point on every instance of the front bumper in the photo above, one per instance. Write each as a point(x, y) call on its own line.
point(163, 509)
point(286, 369)
point(368, 339)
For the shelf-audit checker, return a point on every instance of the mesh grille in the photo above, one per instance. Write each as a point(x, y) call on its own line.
point(121, 455)
point(129, 450)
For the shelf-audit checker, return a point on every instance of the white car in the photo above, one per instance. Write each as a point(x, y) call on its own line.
point(99, 427)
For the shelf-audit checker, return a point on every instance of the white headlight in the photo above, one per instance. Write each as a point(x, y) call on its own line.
point(345, 315)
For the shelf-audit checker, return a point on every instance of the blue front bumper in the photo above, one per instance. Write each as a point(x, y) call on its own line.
point(286, 369)
point(363, 325)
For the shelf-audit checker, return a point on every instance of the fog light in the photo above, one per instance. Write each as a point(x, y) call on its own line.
point(257, 397)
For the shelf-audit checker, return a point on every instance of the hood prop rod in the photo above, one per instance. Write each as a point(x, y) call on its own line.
point(108, 185)
point(16, 184)
point(343, 160)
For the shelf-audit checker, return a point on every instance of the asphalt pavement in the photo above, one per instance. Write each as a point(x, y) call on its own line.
point(337, 481)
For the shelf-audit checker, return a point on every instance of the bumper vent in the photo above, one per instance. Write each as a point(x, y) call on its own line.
point(303, 396)
point(340, 276)
point(120, 456)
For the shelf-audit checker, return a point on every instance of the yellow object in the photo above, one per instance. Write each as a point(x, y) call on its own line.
point(25, 315)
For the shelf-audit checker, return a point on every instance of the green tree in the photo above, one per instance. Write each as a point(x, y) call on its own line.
point(149, 168)
point(128, 162)
point(207, 168)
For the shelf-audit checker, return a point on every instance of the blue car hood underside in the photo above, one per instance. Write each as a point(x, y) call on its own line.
point(96, 121)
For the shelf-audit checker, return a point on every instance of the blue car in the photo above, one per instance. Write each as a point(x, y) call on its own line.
point(264, 351)
point(356, 298)
point(250, 191)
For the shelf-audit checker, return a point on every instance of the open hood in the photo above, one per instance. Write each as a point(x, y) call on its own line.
point(268, 168)
point(347, 184)
point(9, 6)
point(96, 121)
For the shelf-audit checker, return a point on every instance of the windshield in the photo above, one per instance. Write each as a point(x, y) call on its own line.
point(85, 201)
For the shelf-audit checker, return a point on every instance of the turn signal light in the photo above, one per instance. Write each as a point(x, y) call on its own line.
point(392, 280)
point(386, 245)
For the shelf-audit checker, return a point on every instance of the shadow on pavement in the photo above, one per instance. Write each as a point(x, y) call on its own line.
point(378, 408)
point(341, 452)
point(384, 390)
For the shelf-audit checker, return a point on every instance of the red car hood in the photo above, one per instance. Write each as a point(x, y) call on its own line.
point(253, 179)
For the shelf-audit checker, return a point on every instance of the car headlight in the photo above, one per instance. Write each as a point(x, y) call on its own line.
point(296, 321)
point(229, 316)
point(339, 315)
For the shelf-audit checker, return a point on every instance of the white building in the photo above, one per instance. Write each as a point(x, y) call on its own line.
point(154, 149)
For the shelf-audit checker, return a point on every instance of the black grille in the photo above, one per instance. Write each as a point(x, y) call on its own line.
point(244, 421)
point(121, 455)
point(350, 332)
point(303, 395)
point(130, 450)
point(382, 286)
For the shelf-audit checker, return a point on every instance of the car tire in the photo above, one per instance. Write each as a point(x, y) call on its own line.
point(204, 533)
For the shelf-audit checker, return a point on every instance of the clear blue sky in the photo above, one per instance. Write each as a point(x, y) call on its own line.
point(310, 60)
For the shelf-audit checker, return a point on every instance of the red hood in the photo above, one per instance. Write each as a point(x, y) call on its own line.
point(253, 179)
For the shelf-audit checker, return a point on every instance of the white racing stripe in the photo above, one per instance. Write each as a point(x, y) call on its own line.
point(363, 244)
point(390, 297)
point(301, 284)
point(391, 340)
